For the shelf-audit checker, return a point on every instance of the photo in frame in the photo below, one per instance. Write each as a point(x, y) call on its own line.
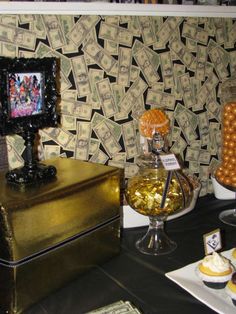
point(25, 94)
point(28, 102)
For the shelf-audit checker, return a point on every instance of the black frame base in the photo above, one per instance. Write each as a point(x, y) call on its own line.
point(24, 175)
point(32, 171)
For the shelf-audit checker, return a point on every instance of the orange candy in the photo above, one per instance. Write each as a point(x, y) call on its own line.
point(225, 173)
point(154, 120)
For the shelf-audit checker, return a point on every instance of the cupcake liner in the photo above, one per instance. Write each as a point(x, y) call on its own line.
point(215, 285)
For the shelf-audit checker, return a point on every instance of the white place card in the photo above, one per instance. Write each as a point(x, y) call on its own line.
point(212, 241)
point(170, 162)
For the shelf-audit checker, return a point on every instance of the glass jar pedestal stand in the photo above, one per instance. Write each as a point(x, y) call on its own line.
point(228, 217)
point(156, 241)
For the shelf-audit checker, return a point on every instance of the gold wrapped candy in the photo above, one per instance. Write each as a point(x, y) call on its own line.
point(145, 192)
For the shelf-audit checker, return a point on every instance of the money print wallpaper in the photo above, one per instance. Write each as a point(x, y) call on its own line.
point(113, 67)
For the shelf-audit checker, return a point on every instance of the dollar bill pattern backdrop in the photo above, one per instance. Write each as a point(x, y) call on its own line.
point(112, 68)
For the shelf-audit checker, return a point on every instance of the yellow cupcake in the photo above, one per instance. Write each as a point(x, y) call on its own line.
point(234, 253)
point(215, 271)
point(230, 288)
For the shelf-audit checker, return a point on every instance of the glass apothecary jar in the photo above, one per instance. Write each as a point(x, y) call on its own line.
point(225, 174)
point(157, 193)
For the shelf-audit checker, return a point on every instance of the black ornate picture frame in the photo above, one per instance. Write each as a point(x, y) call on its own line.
point(28, 101)
point(28, 94)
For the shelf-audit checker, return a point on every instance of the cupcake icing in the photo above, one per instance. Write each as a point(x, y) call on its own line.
point(215, 263)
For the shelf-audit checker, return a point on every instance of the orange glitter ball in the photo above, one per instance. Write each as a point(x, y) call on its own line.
point(154, 120)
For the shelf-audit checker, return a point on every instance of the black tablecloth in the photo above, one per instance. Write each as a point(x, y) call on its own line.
point(141, 278)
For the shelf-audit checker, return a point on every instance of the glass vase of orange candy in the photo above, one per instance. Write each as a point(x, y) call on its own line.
point(154, 191)
point(225, 174)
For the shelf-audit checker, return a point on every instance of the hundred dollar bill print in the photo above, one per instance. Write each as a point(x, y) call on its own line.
point(112, 68)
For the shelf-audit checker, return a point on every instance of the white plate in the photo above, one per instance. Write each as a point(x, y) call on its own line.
point(187, 278)
point(133, 219)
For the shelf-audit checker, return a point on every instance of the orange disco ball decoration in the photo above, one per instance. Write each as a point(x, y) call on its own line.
point(154, 120)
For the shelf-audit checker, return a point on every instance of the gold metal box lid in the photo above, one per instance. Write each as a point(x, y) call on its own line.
point(83, 195)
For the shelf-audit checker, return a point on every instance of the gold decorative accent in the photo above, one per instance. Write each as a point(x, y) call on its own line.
point(53, 231)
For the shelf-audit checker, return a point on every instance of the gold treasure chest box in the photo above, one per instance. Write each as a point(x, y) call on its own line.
point(53, 231)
